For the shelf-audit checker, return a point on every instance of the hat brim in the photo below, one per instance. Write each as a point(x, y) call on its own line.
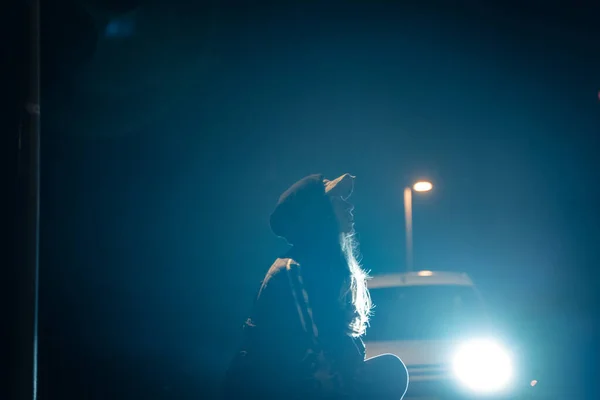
point(342, 186)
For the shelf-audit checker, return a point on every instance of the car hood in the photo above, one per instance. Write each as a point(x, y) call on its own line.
point(425, 359)
point(415, 352)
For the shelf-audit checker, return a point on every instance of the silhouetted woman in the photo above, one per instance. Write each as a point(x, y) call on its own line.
point(302, 339)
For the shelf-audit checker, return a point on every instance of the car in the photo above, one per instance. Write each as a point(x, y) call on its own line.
point(438, 324)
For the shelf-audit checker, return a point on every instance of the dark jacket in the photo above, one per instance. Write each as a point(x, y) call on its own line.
point(270, 360)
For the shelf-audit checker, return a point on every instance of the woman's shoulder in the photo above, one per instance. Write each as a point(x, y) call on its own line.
point(277, 275)
point(280, 267)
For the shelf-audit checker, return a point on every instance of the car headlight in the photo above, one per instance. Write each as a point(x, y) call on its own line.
point(483, 366)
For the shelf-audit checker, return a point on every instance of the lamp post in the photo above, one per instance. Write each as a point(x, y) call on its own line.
point(420, 186)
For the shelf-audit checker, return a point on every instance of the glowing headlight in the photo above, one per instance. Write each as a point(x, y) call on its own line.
point(483, 366)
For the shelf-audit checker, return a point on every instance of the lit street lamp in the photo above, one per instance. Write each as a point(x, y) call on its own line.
point(421, 186)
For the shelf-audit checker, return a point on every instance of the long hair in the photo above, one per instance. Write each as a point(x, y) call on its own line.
point(357, 288)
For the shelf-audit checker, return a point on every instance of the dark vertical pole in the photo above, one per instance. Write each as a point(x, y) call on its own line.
point(27, 274)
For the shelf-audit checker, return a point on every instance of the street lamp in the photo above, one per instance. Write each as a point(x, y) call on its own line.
point(420, 186)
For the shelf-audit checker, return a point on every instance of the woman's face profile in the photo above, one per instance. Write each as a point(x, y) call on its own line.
point(343, 214)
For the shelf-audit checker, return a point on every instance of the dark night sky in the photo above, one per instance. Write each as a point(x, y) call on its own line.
point(164, 154)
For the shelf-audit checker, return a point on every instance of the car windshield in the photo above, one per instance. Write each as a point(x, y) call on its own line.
point(424, 312)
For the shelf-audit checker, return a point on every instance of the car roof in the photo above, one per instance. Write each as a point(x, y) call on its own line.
point(420, 278)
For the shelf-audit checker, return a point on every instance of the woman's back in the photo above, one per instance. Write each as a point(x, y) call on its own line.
point(275, 340)
point(273, 329)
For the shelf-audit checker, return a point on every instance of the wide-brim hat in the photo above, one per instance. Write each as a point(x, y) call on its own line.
point(306, 202)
